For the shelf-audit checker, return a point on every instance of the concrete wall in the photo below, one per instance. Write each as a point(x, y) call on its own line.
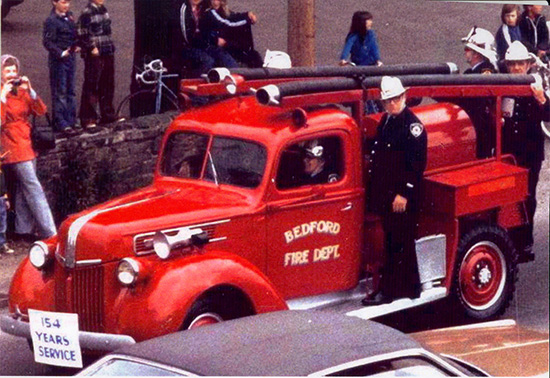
point(87, 169)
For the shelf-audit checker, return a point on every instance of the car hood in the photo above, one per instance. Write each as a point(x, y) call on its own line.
point(102, 229)
point(501, 348)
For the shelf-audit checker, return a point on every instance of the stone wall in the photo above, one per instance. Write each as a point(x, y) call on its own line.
point(87, 169)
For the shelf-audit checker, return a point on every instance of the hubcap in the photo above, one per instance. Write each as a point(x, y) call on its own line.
point(482, 275)
point(205, 319)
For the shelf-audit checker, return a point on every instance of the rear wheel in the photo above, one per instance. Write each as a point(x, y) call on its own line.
point(486, 272)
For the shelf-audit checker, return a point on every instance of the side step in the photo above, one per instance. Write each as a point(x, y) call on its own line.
point(427, 296)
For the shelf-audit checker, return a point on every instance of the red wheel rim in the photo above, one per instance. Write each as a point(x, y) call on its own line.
point(205, 319)
point(482, 275)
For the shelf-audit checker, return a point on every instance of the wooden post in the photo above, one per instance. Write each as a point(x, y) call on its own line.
point(301, 32)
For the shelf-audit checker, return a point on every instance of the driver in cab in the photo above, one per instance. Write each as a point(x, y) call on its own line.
point(315, 171)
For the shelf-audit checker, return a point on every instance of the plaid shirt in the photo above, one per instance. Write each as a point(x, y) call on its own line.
point(94, 30)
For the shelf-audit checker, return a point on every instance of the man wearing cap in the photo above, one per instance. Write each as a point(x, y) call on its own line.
point(479, 51)
point(315, 171)
point(397, 163)
point(522, 134)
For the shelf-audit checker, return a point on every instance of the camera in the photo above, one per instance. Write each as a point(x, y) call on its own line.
point(17, 82)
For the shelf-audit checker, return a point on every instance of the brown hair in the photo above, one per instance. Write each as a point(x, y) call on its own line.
point(11, 61)
point(509, 8)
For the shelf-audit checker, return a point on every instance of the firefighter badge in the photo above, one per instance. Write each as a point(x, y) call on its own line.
point(416, 129)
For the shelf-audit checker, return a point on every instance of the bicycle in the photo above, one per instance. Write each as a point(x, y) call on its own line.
point(153, 75)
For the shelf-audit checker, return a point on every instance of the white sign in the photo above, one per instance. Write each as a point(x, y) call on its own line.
point(55, 338)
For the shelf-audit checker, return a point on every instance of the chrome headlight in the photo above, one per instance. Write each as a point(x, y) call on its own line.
point(127, 271)
point(39, 254)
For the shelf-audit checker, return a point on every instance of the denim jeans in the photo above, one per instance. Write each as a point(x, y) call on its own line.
point(62, 84)
point(3, 220)
point(32, 212)
point(222, 58)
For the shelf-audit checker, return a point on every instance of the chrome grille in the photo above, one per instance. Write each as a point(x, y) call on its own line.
point(88, 297)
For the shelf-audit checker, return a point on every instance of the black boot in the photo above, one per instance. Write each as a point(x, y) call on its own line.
point(378, 299)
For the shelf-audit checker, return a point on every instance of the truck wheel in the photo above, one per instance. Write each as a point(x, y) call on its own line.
point(486, 272)
point(202, 313)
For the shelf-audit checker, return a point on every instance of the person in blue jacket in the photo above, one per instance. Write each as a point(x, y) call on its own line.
point(361, 47)
point(509, 30)
point(60, 39)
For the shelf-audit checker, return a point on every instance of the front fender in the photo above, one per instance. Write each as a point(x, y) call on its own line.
point(31, 288)
point(158, 304)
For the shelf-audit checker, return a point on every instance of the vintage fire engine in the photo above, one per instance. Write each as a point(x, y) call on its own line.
point(228, 229)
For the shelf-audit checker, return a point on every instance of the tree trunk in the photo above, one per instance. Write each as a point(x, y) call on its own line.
point(301, 32)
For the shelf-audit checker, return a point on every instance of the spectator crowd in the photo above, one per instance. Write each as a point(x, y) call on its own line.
point(214, 36)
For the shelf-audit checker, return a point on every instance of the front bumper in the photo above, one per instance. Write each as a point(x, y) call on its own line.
point(105, 342)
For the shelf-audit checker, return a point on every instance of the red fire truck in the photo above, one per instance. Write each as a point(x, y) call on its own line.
point(227, 229)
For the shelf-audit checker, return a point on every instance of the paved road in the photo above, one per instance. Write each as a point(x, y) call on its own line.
point(408, 31)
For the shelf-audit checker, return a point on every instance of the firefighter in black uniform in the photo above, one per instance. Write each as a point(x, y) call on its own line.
point(315, 172)
point(480, 53)
point(398, 160)
point(522, 134)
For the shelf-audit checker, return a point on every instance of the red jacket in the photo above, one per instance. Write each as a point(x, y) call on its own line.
point(16, 128)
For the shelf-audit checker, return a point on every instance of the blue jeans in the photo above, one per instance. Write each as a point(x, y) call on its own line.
point(222, 58)
point(32, 212)
point(62, 84)
point(201, 61)
point(3, 220)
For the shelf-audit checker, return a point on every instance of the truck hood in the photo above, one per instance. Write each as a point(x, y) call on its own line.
point(107, 231)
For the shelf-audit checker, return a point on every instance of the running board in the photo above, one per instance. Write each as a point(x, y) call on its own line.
point(427, 296)
point(329, 299)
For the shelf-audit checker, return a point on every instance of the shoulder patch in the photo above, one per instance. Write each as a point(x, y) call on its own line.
point(416, 129)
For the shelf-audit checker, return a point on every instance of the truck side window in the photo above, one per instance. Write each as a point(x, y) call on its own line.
point(184, 155)
point(311, 162)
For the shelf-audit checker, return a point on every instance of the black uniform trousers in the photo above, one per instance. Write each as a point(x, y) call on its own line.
point(400, 273)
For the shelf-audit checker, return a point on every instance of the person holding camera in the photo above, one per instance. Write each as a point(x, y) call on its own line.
point(33, 217)
point(59, 38)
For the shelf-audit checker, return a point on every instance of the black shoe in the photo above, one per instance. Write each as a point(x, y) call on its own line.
point(378, 299)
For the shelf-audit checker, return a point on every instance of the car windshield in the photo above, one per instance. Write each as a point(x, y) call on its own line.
point(120, 367)
point(229, 161)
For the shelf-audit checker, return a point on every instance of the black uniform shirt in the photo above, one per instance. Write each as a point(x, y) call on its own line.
point(398, 160)
point(485, 67)
point(522, 133)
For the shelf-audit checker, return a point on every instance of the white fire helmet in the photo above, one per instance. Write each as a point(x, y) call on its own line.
point(277, 59)
point(517, 51)
point(391, 87)
point(313, 149)
point(481, 41)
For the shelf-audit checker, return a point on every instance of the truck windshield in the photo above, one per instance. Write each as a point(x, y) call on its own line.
point(230, 160)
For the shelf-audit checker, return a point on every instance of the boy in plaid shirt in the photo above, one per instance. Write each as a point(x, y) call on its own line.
point(98, 49)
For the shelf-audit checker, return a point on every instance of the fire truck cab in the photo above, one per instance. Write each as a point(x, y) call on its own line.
point(233, 225)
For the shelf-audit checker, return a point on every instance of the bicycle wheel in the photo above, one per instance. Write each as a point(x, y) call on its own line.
point(142, 103)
